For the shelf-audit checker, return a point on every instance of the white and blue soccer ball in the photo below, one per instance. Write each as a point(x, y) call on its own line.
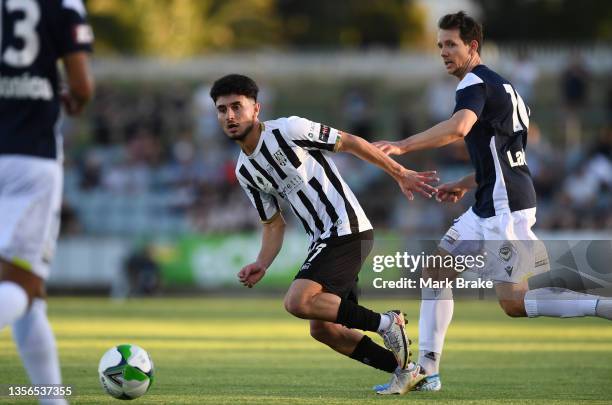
point(126, 371)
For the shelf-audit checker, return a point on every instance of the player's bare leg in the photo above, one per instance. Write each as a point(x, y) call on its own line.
point(337, 337)
point(307, 299)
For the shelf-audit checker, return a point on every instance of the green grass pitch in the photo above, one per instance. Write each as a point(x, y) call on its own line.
point(249, 351)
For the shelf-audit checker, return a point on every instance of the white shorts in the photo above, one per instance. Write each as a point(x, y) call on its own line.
point(512, 252)
point(30, 203)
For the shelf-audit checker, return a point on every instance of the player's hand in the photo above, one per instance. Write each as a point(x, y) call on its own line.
point(251, 274)
point(71, 105)
point(417, 182)
point(450, 192)
point(389, 148)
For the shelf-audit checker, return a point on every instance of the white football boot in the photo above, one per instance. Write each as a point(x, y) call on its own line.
point(395, 338)
point(403, 380)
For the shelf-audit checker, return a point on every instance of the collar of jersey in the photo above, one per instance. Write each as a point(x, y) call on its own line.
point(258, 147)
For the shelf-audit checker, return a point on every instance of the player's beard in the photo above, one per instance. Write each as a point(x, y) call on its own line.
point(462, 70)
point(243, 134)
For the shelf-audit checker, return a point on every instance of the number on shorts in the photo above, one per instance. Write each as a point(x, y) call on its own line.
point(317, 249)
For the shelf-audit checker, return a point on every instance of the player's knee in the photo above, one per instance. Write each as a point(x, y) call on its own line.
point(297, 306)
point(513, 308)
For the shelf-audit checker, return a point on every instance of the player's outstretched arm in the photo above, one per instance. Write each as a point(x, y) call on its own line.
point(80, 82)
point(408, 180)
point(271, 243)
point(454, 191)
point(449, 131)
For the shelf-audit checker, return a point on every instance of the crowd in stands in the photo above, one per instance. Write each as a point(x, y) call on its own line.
point(152, 159)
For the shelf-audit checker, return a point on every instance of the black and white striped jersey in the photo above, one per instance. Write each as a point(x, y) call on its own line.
point(497, 142)
point(291, 161)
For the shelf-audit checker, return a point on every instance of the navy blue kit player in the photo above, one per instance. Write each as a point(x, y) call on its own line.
point(34, 36)
point(492, 119)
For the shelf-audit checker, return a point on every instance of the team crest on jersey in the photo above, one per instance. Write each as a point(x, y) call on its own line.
point(280, 157)
point(506, 252)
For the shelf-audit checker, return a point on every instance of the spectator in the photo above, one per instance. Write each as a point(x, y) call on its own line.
point(574, 89)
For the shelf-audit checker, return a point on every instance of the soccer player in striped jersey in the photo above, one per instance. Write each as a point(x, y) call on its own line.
point(493, 120)
point(288, 158)
point(34, 36)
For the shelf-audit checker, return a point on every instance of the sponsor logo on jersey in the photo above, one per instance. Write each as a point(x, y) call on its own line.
point(518, 160)
point(280, 157)
point(324, 133)
point(83, 34)
point(311, 131)
point(291, 185)
point(264, 185)
point(26, 86)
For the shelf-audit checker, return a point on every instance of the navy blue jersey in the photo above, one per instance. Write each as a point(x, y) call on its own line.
point(497, 142)
point(34, 34)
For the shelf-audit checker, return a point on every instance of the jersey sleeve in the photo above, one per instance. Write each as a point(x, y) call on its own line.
point(471, 94)
point(75, 33)
point(266, 204)
point(312, 135)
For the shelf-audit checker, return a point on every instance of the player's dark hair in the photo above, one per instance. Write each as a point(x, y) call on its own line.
point(234, 84)
point(469, 29)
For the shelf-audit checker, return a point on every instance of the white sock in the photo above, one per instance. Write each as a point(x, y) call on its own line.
point(430, 361)
point(36, 344)
point(604, 308)
point(436, 313)
point(385, 323)
point(13, 303)
point(559, 303)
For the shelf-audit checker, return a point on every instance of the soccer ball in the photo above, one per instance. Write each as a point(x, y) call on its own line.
point(126, 371)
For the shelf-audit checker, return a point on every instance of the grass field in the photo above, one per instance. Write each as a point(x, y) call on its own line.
point(249, 351)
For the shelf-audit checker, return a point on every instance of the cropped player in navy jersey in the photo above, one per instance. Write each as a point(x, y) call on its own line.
point(492, 119)
point(35, 35)
point(289, 159)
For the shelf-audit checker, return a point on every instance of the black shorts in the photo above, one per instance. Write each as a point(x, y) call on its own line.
point(335, 263)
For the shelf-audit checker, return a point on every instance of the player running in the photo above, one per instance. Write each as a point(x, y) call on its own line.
point(35, 35)
point(288, 158)
point(493, 120)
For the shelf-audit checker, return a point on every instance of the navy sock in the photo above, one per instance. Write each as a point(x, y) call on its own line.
point(373, 355)
point(354, 316)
